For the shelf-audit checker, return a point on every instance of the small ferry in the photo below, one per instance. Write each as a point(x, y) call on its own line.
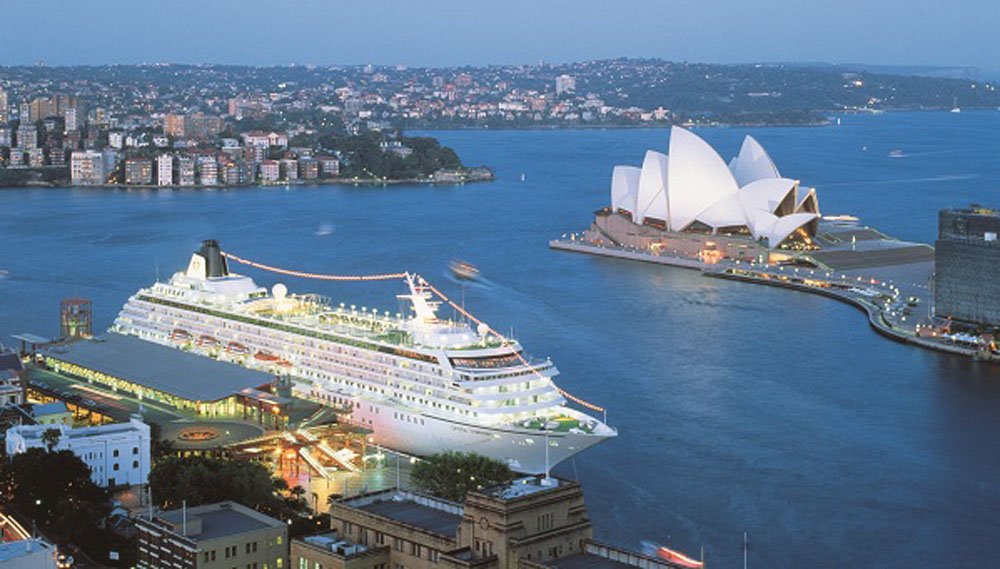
point(463, 270)
point(678, 558)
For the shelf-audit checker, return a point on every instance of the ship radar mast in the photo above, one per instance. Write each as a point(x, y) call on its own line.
point(424, 309)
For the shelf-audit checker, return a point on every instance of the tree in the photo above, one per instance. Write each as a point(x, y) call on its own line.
point(451, 475)
point(55, 490)
point(203, 480)
point(50, 437)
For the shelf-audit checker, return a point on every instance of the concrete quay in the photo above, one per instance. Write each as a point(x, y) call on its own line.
point(880, 299)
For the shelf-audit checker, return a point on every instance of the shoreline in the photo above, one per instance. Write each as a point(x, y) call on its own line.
point(876, 314)
point(327, 182)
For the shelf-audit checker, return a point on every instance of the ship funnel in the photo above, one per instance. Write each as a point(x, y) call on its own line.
point(215, 263)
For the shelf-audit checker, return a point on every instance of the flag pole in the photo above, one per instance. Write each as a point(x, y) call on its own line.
point(746, 546)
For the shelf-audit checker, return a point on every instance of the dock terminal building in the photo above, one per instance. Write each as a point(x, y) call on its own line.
point(171, 377)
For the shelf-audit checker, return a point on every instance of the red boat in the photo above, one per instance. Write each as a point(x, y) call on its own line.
point(678, 558)
point(265, 356)
point(180, 334)
point(237, 348)
point(206, 340)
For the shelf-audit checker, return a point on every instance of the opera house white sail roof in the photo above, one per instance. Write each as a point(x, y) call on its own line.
point(692, 184)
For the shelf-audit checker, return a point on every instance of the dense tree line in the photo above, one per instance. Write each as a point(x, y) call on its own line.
point(202, 480)
point(451, 475)
point(363, 157)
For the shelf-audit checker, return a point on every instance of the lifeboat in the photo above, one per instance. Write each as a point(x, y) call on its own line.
point(265, 356)
point(284, 363)
point(678, 558)
point(237, 348)
point(207, 341)
point(180, 335)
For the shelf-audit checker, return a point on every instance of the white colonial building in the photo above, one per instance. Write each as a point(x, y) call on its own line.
point(117, 453)
point(692, 188)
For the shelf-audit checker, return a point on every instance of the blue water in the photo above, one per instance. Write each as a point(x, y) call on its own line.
point(740, 408)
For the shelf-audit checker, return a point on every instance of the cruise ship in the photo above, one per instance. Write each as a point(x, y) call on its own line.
point(422, 384)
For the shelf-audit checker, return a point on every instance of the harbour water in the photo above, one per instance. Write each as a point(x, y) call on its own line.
point(739, 407)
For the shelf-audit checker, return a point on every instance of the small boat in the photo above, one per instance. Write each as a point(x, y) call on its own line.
point(678, 558)
point(954, 106)
point(207, 341)
point(237, 348)
point(180, 335)
point(463, 270)
point(897, 153)
point(265, 356)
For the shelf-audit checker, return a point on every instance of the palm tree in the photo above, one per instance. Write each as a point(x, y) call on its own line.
point(50, 437)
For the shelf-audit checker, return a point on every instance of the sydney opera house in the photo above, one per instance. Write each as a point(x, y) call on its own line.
point(745, 206)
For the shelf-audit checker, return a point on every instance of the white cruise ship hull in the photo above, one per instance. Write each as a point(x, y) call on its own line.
point(421, 435)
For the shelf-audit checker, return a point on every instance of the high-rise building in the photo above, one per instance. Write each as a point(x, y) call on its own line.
point(967, 265)
point(24, 113)
point(27, 136)
point(565, 84)
point(36, 157)
point(164, 170)
point(87, 168)
point(269, 171)
point(220, 535)
point(185, 171)
point(116, 139)
point(202, 127)
point(173, 125)
point(4, 116)
point(117, 453)
point(208, 171)
point(138, 171)
point(69, 118)
point(6, 135)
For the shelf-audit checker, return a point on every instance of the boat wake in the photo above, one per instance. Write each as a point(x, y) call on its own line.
point(946, 178)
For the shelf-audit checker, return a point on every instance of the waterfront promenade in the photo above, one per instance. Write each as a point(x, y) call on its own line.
point(896, 298)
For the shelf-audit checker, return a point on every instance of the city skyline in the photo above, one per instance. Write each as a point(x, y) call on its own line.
point(454, 34)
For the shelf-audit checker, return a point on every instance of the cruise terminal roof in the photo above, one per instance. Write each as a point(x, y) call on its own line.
point(183, 374)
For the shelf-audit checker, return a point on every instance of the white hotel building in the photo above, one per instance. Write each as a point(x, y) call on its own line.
point(117, 453)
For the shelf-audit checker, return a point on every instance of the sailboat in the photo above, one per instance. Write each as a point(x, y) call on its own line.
point(954, 106)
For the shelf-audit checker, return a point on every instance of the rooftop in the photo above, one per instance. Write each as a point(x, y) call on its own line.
point(41, 409)
point(13, 549)
point(32, 432)
point(522, 487)
point(422, 516)
point(212, 521)
point(166, 369)
point(11, 361)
